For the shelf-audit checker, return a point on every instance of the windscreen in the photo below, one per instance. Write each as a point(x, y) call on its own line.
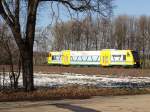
point(135, 55)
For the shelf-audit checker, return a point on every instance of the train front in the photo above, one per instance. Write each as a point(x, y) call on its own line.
point(136, 58)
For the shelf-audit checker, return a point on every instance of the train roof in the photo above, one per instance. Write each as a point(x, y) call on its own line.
point(55, 53)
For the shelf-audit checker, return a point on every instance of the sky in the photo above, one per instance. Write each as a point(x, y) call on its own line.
point(132, 7)
point(122, 7)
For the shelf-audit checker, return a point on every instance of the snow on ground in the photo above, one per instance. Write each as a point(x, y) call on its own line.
point(59, 80)
point(54, 80)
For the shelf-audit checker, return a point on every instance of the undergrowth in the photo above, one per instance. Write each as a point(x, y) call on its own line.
point(71, 92)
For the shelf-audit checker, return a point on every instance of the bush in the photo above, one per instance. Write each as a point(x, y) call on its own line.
point(71, 92)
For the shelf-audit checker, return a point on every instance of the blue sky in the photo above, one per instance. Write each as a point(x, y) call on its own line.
point(132, 7)
point(128, 7)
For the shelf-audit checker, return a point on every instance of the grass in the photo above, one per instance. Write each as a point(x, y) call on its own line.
point(71, 92)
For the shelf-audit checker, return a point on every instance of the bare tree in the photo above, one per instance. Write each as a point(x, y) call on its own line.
point(121, 31)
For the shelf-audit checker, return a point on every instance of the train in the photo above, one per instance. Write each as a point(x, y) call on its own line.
point(104, 58)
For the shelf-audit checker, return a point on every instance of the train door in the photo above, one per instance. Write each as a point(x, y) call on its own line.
point(49, 59)
point(105, 58)
point(66, 57)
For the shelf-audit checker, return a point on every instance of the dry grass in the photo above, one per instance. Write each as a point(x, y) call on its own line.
point(87, 70)
point(72, 92)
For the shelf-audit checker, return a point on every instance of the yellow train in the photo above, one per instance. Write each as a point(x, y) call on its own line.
point(105, 57)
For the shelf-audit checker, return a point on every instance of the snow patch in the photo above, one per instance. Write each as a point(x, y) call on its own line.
point(53, 80)
point(64, 79)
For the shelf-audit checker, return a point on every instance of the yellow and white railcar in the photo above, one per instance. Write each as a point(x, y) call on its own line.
point(105, 57)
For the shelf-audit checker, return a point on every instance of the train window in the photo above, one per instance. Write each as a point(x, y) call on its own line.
point(53, 57)
point(124, 57)
point(117, 57)
point(135, 55)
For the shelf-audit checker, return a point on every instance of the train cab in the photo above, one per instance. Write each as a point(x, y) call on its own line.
point(121, 58)
point(54, 58)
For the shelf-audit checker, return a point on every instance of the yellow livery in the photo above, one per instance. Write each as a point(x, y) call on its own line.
point(105, 57)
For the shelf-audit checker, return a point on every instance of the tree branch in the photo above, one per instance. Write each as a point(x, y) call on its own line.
point(8, 12)
point(13, 24)
point(85, 4)
point(103, 7)
point(5, 16)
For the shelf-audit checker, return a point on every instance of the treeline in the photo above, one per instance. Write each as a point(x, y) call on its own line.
point(122, 32)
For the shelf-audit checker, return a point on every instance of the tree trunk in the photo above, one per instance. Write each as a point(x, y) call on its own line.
point(27, 69)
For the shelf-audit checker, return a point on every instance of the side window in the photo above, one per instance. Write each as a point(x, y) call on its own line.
point(53, 57)
point(124, 57)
